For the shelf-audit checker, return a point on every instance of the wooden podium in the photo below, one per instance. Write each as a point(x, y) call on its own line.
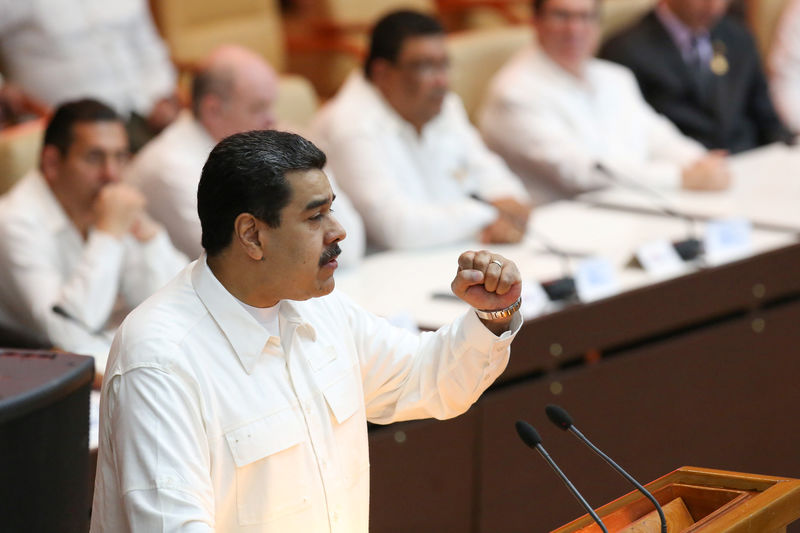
point(702, 500)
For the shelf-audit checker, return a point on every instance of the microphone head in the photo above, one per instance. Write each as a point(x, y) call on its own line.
point(558, 416)
point(528, 434)
point(600, 167)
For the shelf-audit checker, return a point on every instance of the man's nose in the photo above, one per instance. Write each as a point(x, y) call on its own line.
point(336, 233)
point(441, 76)
point(111, 170)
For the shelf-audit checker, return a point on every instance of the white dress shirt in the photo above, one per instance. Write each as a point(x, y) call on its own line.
point(208, 423)
point(47, 264)
point(784, 66)
point(167, 170)
point(60, 50)
point(553, 128)
point(413, 190)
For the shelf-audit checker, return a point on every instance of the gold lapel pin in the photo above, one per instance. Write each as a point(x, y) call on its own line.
point(719, 63)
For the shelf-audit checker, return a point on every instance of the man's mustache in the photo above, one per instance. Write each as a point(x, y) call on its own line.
point(330, 253)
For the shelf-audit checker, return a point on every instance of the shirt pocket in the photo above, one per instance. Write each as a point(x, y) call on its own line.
point(344, 397)
point(272, 477)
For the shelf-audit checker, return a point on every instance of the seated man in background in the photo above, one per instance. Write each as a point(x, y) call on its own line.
point(234, 91)
point(61, 50)
point(402, 148)
point(784, 66)
point(77, 250)
point(702, 70)
point(564, 120)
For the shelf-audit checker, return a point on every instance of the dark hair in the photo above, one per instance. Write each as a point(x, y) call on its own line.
point(59, 129)
point(391, 31)
point(246, 173)
point(217, 81)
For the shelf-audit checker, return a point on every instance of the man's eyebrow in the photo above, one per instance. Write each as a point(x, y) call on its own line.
point(313, 204)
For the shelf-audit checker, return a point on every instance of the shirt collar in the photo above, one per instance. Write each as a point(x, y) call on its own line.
point(247, 337)
point(681, 34)
point(54, 218)
point(194, 128)
point(388, 115)
point(560, 73)
point(292, 316)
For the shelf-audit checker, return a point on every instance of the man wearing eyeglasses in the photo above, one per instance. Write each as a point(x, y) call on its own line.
point(565, 120)
point(402, 148)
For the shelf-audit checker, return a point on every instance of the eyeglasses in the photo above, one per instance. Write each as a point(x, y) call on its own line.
point(425, 67)
point(562, 16)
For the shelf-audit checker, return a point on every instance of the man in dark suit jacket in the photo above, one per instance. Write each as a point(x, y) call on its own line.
point(701, 69)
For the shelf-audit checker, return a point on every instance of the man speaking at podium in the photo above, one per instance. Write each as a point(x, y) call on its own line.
point(236, 399)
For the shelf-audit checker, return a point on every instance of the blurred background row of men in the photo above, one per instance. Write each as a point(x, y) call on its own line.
point(92, 231)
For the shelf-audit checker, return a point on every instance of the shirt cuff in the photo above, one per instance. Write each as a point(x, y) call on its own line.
point(104, 246)
point(656, 174)
point(477, 334)
point(664, 175)
point(157, 244)
point(483, 213)
point(103, 238)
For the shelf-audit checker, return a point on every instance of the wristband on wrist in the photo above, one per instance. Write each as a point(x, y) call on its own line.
point(500, 313)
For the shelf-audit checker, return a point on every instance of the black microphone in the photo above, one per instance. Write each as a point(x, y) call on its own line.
point(531, 437)
point(60, 311)
point(562, 288)
point(561, 418)
point(690, 247)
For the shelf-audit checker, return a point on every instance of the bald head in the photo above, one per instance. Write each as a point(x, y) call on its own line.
point(234, 91)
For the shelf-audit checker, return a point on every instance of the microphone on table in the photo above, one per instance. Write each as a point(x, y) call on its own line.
point(562, 288)
point(60, 311)
point(531, 437)
point(688, 248)
point(561, 418)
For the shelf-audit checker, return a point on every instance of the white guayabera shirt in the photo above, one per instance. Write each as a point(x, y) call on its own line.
point(46, 264)
point(60, 50)
point(209, 423)
point(553, 128)
point(412, 190)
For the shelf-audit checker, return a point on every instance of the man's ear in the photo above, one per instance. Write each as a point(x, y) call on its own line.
point(247, 231)
point(49, 163)
point(379, 72)
point(210, 107)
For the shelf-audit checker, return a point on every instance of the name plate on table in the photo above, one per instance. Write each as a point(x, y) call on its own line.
point(534, 299)
point(727, 240)
point(595, 278)
point(660, 258)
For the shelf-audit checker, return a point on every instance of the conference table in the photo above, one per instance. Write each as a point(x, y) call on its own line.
point(697, 365)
